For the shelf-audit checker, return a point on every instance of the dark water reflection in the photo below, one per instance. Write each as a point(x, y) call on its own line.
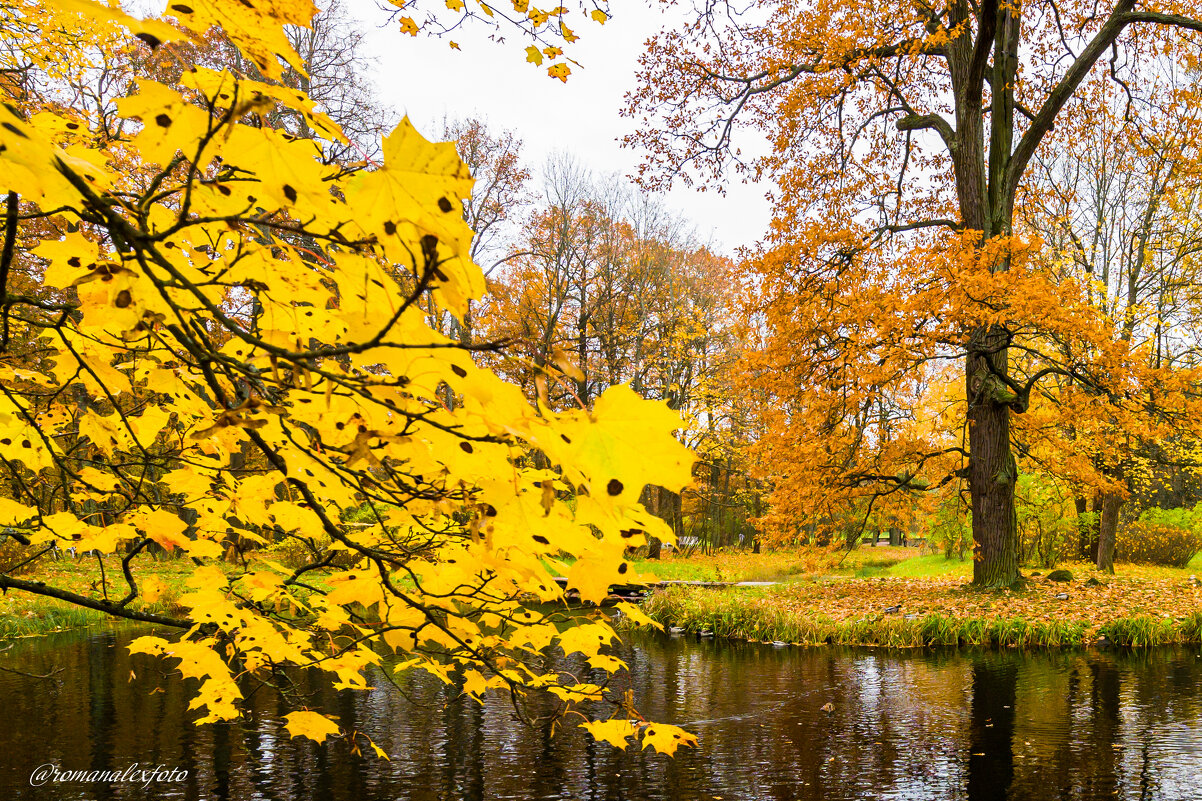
point(933, 725)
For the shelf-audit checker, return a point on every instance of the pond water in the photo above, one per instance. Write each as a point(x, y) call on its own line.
point(911, 725)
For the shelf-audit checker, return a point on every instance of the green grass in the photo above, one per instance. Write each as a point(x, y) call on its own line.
point(742, 615)
point(45, 617)
point(756, 615)
point(935, 565)
point(25, 614)
point(809, 563)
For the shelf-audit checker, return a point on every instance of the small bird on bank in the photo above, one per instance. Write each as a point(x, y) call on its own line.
point(1061, 596)
point(892, 610)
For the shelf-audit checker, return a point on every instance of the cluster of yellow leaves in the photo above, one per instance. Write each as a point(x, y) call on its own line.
point(663, 738)
point(244, 356)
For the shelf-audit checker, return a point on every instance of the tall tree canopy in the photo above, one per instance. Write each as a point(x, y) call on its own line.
point(901, 138)
point(213, 334)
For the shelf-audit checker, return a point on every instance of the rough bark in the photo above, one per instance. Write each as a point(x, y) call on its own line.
point(1087, 530)
point(993, 471)
point(1108, 523)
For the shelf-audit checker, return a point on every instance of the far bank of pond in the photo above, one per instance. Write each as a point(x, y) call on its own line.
point(914, 725)
point(940, 611)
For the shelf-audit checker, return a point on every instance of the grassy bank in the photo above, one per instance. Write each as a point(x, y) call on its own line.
point(883, 562)
point(823, 597)
point(23, 614)
point(792, 565)
point(940, 611)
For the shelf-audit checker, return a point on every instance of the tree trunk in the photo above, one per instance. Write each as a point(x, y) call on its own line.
point(653, 500)
point(993, 472)
point(985, 191)
point(1108, 524)
point(1087, 531)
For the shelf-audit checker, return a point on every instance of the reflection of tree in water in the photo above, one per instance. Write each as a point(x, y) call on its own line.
point(991, 748)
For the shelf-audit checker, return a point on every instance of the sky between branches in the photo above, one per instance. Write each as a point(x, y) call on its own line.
point(426, 79)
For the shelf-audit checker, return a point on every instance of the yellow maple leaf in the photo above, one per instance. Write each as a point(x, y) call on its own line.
point(13, 513)
point(636, 615)
point(614, 732)
point(380, 752)
point(255, 27)
point(151, 31)
point(310, 724)
point(170, 124)
point(666, 739)
point(560, 71)
point(161, 526)
point(610, 664)
point(152, 589)
point(599, 16)
point(534, 55)
point(409, 26)
point(415, 195)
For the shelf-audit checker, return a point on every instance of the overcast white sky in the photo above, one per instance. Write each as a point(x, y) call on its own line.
point(426, 79)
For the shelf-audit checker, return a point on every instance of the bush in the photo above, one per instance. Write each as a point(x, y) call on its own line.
point(1161, 537)
point(293, 553)
point(1047, 529)
point(950, 528)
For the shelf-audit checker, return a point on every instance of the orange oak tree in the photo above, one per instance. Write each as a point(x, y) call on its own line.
point(609, 285)
point(901, 137)
point(1115, 199)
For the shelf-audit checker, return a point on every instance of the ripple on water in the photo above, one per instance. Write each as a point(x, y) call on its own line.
point(912, 726)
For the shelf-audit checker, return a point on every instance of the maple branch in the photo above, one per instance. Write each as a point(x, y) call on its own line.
point(11, 207)
point(108, 607)
point(129, 576)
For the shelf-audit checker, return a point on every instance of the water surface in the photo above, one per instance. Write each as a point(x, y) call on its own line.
point(940, 724)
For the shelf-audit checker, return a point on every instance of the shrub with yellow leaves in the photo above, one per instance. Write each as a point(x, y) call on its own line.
point(1170, 537)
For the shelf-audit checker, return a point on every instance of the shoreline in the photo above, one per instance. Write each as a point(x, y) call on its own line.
point(936, 614)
